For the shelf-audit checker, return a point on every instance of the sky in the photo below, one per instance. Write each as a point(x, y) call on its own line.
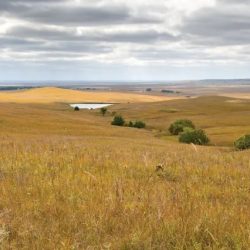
point(124, 40)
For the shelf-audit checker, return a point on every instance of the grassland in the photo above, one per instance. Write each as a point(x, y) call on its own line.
point(70, 180)
point(224, 119)
point(236, 95)
point(59, 95)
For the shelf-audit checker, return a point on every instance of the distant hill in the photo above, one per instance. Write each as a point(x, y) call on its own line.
point(53, 94)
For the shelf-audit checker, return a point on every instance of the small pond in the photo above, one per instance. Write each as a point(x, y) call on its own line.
point(90, 105)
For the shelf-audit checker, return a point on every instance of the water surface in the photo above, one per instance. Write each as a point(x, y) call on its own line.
point(90, 105)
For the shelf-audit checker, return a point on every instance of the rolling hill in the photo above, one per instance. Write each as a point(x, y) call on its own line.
point(70, 180)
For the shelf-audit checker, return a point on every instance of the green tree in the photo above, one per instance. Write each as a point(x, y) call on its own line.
point(118, 121)
point(197, 137)
point(178, 126)
point(243, 143)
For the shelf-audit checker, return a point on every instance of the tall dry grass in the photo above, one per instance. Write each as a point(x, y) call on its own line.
point(60, 192)
point(69, 180)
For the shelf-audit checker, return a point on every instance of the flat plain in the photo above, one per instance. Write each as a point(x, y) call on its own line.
point(70, 180)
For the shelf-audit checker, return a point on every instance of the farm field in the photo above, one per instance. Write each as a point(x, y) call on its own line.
point(70, 180)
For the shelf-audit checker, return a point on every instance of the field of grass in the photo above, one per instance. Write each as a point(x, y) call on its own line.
point(70, 180)
point(59, 95)
point(240, 95)
point(223, 118)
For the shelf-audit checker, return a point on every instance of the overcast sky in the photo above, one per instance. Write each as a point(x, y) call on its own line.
point(124, 39)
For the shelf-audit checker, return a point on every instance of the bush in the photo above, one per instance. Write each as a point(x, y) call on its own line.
point(178, 126)
point(118, 121)
point(137, 124)
point(197, 137)
point(243, 143)
point(167, 91)
point(103, 111)
point(131, 124)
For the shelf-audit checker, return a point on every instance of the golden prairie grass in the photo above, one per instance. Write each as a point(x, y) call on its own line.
point(224, 119)
point(79, 193)
point(239, 95)
point(69, 180)
point(53, 95)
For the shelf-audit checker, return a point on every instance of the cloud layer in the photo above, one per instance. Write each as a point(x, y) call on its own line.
point(124, 39)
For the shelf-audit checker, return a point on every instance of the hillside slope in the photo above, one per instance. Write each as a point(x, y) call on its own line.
point(224, 119)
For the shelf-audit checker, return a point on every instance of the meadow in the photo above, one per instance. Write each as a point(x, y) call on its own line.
point(70, 180)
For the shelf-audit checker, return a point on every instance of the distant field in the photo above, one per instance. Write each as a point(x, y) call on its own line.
point(53, 95)
point(224, 119)
point(70, 180)
point(237, 95)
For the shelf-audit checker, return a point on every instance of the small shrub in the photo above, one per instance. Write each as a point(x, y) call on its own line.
point(136, 124)
point(178, 126)
point(77, 108)
point(168, 91)
point(130, 124)
point(197, 137)
point(103, 111)
point(243, 143)
point(118, 121)
point(139, 124)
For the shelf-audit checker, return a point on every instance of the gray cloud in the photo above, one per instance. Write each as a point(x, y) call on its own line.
point(77, 16)
point(25, 45)
point(82, 15)
point(10, 42)
point(125, 32)
point(142, 36)
point(226, 24)
point(49, 34)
